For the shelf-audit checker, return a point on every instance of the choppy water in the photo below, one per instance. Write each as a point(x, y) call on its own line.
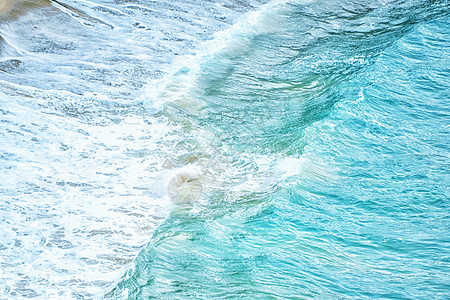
point(225, 150)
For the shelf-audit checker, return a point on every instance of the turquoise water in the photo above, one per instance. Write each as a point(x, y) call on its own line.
point(361, 108)
point(314, 136)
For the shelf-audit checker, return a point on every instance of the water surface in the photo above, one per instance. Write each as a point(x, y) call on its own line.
point(203, 150)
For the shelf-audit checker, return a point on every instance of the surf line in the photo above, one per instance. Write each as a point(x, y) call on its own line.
point(177, 92)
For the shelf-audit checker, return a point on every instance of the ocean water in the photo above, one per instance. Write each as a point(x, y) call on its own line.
point(293, 149)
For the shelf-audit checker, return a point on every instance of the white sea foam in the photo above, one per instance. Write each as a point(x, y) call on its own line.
point(85, 167)
point(180, 85)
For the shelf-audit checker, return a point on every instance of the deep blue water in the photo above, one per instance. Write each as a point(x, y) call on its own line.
point(310, 141)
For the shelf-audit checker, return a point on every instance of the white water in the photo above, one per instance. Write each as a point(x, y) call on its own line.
point(84, 165)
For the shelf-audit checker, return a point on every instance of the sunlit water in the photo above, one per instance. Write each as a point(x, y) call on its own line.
point(225, 150)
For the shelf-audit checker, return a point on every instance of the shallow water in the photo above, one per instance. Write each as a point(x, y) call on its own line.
point(304, 146)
